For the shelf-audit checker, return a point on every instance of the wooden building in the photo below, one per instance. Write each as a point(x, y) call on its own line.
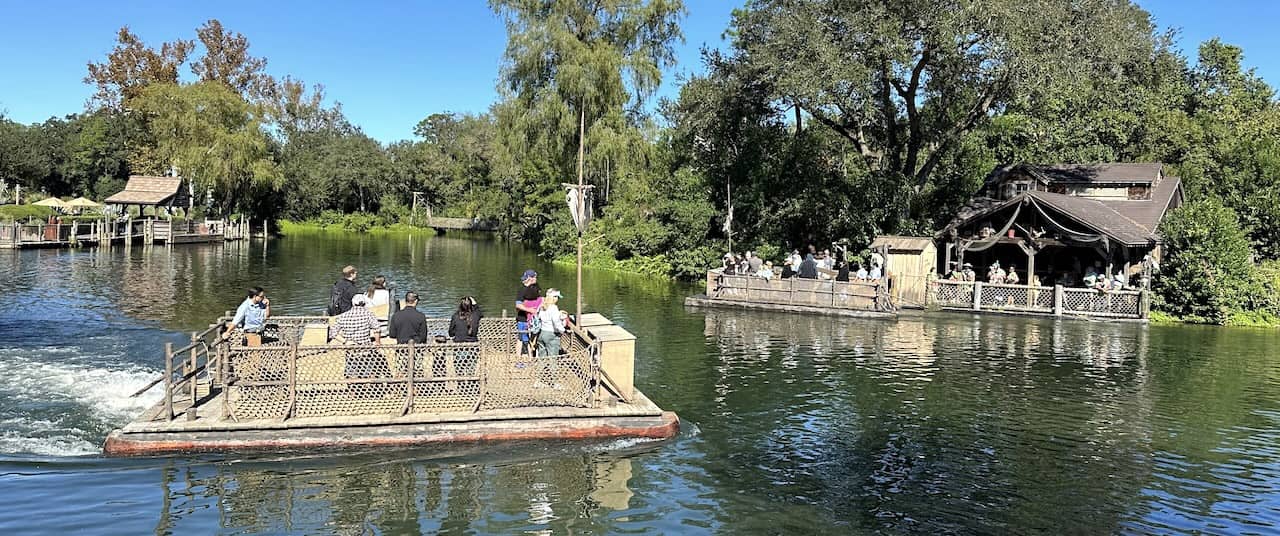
point(158, 192)
point(1057, 221)
point(908, 262)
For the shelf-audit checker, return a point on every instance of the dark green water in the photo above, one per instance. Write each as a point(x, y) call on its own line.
point(792, 424)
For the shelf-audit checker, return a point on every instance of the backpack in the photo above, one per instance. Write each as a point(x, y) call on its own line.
point(535, 323)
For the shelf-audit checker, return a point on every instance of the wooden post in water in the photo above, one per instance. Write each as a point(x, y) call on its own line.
point(977, 295)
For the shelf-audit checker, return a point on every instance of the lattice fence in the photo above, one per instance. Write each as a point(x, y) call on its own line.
point(867, 296)
point(1118, 303)
point(278, 380)
point(1017, 298)
point(953, 294)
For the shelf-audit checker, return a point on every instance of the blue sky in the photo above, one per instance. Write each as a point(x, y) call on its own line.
point(390, 65)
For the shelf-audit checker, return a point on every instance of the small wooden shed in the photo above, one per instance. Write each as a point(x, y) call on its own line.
point(909, 261)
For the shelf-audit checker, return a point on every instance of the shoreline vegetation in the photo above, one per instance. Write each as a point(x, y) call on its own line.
point(754, 146)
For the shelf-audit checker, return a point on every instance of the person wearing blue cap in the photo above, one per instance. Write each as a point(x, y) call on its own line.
point(528, 298)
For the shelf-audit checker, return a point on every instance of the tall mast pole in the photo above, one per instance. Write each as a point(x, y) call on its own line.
point(582, 203)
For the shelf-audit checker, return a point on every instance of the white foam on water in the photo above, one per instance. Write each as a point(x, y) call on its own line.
point(626, 443)
point(53, 445)
point(101, 393)
point(104, 391)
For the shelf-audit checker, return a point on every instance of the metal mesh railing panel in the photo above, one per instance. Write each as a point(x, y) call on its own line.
point(953, 294)
point(1017, 297)
point(260, 383)
point(513, 381)
point(1097, 302)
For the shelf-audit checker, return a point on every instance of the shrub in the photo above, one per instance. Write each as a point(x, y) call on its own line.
point(1208, 272)
point(23, 212)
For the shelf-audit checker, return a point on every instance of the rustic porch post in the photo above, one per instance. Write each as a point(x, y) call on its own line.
point(1057, 300)
point(1031, 273)
point(977, 295)
point(946, 262)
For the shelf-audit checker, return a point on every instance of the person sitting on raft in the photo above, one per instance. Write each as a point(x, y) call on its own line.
point(357, 325)
point(252, 315)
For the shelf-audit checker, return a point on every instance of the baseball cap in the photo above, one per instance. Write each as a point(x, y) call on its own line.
point(553, 293)
point(528, 274)
point(359, 300)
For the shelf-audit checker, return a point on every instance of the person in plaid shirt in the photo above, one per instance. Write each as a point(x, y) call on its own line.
point(358, 325)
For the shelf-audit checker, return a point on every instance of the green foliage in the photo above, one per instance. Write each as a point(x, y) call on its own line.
point(1208, 273)
point(24, 212)
point(212, 135)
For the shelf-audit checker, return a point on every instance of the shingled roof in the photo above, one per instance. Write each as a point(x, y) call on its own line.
point(1112, 173)
point(147, 190)
point(1096, 215)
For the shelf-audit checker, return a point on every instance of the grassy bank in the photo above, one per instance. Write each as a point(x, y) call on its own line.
point(287, 227)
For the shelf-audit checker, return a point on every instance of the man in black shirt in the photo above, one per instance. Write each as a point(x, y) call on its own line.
point(343, 291)
point(409, 324)
point(529, 291)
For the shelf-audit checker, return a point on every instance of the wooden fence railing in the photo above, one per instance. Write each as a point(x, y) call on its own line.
point(853, 295)
point(1056, 300)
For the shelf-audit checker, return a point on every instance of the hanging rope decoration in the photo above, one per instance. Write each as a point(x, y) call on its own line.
point(1074, 236)
point(984, 244)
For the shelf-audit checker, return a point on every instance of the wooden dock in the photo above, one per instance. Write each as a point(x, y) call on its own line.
point(867, 299)
point(106, 232)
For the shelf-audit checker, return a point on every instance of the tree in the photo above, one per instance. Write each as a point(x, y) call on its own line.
point(132, 66)
point(213, 137)
point(568, 63)
point(904, 81)
point(1208, 271)
point(226, 60)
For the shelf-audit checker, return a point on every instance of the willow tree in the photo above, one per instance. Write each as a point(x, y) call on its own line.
point(212, 136)
point(904, 81)
point(569, 64)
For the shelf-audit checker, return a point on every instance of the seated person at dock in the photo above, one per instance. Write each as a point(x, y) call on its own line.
point(409, 324)
point(357, 325)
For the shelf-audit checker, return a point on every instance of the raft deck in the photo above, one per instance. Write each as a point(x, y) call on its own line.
point(288, 394)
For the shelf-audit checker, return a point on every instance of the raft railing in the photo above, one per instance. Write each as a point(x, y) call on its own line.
point(855, 295)
point(1056, 300)
point(290, 376)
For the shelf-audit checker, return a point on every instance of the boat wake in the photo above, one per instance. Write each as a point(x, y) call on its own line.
point(66, 408)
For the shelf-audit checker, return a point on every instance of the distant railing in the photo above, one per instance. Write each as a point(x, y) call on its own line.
point(1056, 300)
point(292, 374)
point(853, 295)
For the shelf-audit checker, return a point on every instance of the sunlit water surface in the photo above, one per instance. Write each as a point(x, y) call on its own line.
point(792, 424)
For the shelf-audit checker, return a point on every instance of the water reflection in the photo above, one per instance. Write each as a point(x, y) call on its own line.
point(403, 492)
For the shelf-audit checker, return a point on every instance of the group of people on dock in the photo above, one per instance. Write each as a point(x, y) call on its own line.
point(1094, 277)
point(813, 265)
point(366, 317)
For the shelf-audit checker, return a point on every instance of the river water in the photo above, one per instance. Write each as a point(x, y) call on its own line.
point(941, 423)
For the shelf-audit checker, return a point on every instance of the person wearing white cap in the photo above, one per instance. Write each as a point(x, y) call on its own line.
point(357, 325)
point(553, 326)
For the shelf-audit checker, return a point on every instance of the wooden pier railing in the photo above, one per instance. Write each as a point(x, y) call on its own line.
point(853, 295)
point(1050, 301)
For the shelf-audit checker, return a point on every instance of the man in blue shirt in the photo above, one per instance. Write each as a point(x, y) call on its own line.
point(252, 313)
